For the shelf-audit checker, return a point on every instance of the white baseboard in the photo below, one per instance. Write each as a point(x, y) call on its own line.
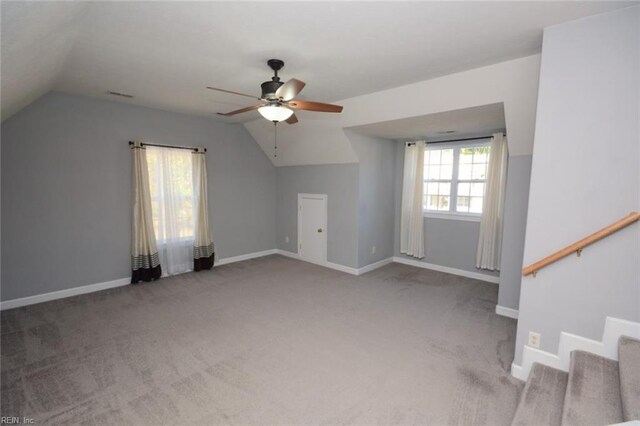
point(338, 267)
point(61, 294)
point(448, 270)
point(247, 256)
point(287, 253)
point(370, 267)
point(30, 300)
point(507, 312)
point(608, 347)
point(516, 371)
point(376, 265)
point(331, 265)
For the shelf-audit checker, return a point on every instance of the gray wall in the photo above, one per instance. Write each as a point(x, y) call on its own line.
point(66, 179)
point(375, 198)
point(585, 175)
point(514, 226)
point(450, 243)
point(340, 183)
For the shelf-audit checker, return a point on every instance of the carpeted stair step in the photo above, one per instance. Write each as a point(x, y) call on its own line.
point(542, 398)
point(593, 391)
point(629, 366)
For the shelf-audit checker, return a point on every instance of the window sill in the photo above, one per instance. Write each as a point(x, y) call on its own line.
point(452, 216)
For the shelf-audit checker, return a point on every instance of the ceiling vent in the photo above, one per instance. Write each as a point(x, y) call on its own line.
point(123, 95)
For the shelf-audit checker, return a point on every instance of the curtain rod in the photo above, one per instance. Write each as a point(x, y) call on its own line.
point(192, 148)
point(458, 140)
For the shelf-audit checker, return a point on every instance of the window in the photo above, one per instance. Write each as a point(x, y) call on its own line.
point(172, 197)
point(454, 179)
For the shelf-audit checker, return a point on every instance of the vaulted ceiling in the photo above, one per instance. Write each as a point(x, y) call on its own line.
point(165, 53)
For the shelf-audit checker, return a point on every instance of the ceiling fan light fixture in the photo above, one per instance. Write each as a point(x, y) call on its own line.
point(275, 112)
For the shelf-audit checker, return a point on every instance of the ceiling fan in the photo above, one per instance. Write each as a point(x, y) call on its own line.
point(277, 98)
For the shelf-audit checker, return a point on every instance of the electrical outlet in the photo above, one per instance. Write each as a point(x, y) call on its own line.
point(286, 239)
point(534, 339)
point(373, 249)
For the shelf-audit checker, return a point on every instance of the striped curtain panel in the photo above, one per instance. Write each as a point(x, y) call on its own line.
point(145, 263)
point(203, 249)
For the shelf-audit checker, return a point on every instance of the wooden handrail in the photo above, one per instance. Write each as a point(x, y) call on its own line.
point(578, 246)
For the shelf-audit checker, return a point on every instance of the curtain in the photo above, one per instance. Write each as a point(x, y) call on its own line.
point(145, 263)
point(411, 221)
point(170, 172)
point(203, 249)
point(490, 241)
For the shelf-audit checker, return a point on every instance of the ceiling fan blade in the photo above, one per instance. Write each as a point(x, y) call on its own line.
point(314, 106)
point(239, 111)
point(290, 89)
point(292, 120)
point(233, 93)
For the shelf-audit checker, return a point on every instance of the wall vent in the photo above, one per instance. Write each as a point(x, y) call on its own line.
point(124, 95)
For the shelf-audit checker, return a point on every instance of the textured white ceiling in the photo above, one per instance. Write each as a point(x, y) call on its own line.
point(165, 53)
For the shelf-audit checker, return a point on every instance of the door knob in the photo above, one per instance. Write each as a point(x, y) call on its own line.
point(319, 229)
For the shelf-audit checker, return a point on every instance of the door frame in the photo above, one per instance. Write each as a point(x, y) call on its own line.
point(324, 198)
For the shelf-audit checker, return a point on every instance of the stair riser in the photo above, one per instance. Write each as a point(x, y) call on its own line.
point(608, 347)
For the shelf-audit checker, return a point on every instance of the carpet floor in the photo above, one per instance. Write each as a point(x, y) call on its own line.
point(266, 341)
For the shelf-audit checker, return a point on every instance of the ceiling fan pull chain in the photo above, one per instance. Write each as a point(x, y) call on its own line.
point(275, 139)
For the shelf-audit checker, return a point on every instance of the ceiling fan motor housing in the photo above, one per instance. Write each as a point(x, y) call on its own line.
point(269, 88)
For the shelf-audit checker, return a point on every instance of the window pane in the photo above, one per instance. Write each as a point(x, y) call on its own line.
point(462, 204)
point(443, 202)
point(434, 172)
point(464, 188)
point(471, 174)
point(480, 155)
point(432, 202)
point(466, 155)
point(447, 156)
point(444, 189)
point(476, 205)
point(477, 189)
point(479, 171)
point(446, 172)
point(464, 171)
point(434, 157)
point(171, 187)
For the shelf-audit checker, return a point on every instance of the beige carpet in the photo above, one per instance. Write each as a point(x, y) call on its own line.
point(266, 341)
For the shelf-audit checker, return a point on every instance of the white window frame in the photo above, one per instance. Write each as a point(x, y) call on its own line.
point(452, 214)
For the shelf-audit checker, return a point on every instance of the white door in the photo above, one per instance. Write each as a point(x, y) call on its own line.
point(312, 227)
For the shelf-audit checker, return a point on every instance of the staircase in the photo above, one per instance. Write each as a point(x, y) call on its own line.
point(595, 391)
